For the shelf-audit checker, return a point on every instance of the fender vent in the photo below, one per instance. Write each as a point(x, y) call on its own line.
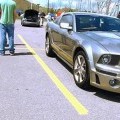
point(97, 79)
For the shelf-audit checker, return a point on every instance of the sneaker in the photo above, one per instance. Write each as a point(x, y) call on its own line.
point(11, 53)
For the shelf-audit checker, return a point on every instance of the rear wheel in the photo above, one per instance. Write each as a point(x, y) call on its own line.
point(81, 70)
point(48, 48)
point(22, 23)
point(38, 24)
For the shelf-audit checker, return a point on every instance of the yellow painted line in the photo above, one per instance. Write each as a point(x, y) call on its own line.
point(27, 48)
point(68, 95)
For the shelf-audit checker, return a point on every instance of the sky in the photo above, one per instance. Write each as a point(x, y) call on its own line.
point(56, 4)
point(85, 5)
point(41, 2)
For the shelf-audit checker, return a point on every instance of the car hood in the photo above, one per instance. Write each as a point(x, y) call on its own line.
point(110, 40)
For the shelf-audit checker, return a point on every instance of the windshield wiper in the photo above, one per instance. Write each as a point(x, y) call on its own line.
point(88, 29)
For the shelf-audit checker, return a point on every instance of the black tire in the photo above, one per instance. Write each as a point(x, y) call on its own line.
point(22, 23)
point(38, 25)
point(48, 48)
point(81, 70)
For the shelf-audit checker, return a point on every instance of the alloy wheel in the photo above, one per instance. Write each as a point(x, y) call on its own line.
point(47, 45)
point(80, 69)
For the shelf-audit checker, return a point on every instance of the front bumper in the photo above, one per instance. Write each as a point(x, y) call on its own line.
point(101, 77)
point(31, 23)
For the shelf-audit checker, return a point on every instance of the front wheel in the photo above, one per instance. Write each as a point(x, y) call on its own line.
point(48, 48)
point(81, 70)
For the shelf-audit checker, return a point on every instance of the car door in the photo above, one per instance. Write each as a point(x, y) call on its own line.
point(56, 36)
point(67, 39)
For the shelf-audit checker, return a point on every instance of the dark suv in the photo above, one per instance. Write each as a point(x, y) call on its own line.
point(30, 18)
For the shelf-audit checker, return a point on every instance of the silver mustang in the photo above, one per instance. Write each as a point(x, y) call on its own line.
point(90, 44)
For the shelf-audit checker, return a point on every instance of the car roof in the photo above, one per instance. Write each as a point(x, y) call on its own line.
point(87, 13)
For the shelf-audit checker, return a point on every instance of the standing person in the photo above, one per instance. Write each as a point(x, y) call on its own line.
point(6, 36)
point(7, 20)
point(42, 16)
point(118, 16)
point(48, 17)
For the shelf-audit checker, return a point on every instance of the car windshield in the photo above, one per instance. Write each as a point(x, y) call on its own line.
point(96, 23)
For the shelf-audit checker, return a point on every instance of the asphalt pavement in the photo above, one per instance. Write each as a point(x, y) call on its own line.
point(36, 87)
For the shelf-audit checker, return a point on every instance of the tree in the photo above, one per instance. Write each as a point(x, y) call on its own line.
point(108, 3)
point(69, 5)
point(79, 5)
point(103, 6)
point(59, 3)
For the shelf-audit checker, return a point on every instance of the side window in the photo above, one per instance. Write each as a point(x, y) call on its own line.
point(86, 22)
point(67, 19)
point(57, 20)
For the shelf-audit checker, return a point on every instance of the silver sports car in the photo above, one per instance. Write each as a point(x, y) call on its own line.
point(90, 44)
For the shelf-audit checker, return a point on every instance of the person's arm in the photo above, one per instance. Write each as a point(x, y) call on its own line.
point(14, 15)
point(0, 10)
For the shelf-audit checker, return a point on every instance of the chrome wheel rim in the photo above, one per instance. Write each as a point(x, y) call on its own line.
point(47, 45)
point(80, 69)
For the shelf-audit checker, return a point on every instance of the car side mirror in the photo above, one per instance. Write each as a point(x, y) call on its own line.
point(65, 26)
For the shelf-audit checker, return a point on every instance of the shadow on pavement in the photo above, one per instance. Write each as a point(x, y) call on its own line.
point(31, 26)
point(23, 53)
point(19, 44)
point(114, 97)
point(64, 64)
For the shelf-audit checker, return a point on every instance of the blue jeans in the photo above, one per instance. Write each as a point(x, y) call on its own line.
point(6, 29)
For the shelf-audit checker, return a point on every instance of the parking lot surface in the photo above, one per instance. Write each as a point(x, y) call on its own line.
point(36, 87)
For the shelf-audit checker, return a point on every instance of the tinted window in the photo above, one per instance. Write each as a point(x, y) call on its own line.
point(96, 23)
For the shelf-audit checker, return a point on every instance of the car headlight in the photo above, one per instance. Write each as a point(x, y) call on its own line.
point(105, 59)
